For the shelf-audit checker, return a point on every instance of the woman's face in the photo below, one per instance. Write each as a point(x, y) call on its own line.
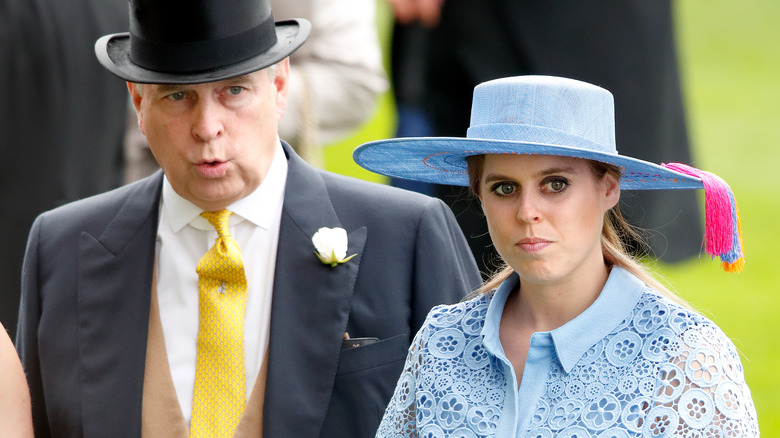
point(545, 215)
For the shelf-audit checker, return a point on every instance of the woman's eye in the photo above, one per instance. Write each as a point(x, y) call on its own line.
point(504, 189)
point(557, 185)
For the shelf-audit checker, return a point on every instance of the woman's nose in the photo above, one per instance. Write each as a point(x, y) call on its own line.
point(528, 210)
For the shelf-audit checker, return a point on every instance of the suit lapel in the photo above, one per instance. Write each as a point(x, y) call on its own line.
point(311, 304)
point(115, 277)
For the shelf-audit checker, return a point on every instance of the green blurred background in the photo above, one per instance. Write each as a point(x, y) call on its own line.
point(730, 63)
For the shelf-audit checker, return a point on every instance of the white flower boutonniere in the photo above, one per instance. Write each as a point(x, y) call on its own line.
point(331, 246)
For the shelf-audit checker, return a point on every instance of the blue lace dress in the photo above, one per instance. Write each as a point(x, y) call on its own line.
point(634, 364)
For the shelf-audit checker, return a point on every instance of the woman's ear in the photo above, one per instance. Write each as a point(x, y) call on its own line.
point(612, 193)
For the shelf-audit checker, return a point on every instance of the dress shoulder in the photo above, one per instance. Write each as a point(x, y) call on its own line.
point(467, 316)
point(698, 386)
point(663, 371)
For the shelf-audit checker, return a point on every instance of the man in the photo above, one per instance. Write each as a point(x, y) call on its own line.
point(194, 300)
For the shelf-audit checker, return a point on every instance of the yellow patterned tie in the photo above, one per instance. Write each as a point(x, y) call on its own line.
point(220, 384)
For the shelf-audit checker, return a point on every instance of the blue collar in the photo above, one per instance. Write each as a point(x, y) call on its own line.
point(571, 340)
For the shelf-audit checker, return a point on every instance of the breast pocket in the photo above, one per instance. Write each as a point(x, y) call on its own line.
point(365, 381)
point(377, 354)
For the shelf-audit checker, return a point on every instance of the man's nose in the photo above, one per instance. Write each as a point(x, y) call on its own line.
point(208, 123)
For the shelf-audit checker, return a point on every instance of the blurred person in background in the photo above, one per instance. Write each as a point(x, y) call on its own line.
point(62, 119)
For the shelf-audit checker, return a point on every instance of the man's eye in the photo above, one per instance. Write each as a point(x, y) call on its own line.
point(504, 189)
point(176, 96)
point(235, 90)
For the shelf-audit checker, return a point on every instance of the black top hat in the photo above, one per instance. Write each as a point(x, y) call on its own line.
point(195, 41)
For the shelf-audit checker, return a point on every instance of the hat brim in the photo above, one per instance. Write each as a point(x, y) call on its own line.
point(442, 160)
point(113, 52)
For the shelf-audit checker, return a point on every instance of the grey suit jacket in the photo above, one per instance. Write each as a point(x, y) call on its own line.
point(86, 292)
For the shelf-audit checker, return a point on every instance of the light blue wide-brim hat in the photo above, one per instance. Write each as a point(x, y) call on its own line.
point(531, 115)
point(545, 115)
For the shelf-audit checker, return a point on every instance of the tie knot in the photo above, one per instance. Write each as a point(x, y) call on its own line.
point(219, 220)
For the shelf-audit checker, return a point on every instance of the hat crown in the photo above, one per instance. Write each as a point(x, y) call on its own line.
point(544, 110)
point(185, 36)
point(181, 21)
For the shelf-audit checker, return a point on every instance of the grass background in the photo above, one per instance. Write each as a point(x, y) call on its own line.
point(730, 65)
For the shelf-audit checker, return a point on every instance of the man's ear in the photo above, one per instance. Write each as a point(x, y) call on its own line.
point(282, 84)
point(136, 96)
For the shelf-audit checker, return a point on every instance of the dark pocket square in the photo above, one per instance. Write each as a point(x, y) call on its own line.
point(346, 344)
point(375, 354)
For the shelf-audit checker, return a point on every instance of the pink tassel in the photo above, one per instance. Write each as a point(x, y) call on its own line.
point(723, 231)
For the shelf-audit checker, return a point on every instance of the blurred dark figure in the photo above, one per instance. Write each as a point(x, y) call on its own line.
point(625, 46)
point(62, 119)
point(408, 59)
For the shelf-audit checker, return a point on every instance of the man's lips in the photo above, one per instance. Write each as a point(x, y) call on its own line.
point(533, 244)
point(212, 169)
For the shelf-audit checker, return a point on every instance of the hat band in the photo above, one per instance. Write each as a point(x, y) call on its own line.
point(533, 134)
point(203, 55)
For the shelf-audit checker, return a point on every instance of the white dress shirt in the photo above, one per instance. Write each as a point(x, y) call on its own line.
point(183, 237)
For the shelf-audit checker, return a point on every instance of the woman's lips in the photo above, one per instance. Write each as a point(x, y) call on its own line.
point(533, 244)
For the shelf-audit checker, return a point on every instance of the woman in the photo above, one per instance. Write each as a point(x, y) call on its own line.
point(573, 338)
point(15, 419)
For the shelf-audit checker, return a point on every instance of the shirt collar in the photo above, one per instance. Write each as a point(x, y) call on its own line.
point(490, 331)
point(614, 303)
point(258, 207)
point(618, 297)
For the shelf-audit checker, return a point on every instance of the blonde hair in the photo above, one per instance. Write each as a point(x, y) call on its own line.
point(616, 233)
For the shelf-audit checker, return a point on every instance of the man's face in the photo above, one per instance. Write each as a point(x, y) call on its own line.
point(214, 141)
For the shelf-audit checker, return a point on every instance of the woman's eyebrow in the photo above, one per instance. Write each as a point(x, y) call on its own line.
point(544, 172)
point(554, 170)
point(497, 177)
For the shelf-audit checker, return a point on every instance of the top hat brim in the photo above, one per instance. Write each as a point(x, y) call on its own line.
point(442, 160)
point(113, 52)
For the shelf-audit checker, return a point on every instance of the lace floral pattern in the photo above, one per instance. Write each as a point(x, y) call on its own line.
point(662, 372)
